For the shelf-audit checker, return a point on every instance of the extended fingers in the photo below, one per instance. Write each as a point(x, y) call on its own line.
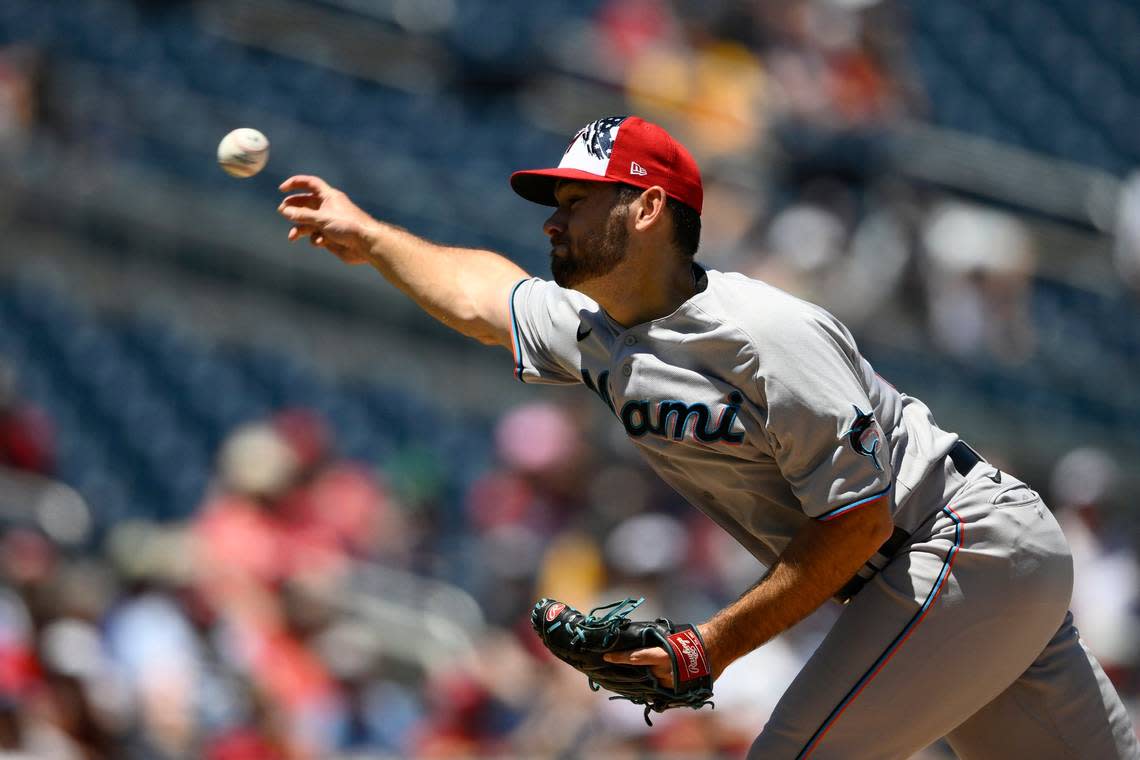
point(304, 210)
point(306, 183)
point(304, 200)
point(295, 208)
point(299, 214)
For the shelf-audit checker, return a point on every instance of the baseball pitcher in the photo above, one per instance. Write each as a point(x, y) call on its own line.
point(759, 409)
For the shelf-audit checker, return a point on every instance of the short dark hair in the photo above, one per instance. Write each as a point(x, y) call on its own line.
point(686, 220)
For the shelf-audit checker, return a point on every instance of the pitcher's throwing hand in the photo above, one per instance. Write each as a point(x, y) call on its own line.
point(326, 216)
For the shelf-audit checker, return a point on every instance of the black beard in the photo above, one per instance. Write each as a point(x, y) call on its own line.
point(597, 255)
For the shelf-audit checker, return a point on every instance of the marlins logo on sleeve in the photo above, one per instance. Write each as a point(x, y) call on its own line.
point(866, 436)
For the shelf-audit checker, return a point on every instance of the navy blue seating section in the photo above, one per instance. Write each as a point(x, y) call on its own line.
point(1061, 77)
point(140, 407)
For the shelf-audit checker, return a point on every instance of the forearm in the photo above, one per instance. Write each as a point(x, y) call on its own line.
point(465, 289)
point(454, 285)
point(814, 566)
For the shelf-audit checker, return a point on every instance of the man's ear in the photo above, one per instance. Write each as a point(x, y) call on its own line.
point(649, 209)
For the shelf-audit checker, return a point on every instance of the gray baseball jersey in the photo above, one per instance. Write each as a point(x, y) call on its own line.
point(753, 404)
point(758, 408)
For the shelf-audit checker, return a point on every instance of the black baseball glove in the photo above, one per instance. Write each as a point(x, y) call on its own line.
point(583, 640)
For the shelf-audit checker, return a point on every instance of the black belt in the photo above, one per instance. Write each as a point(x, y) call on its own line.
point(964, 459)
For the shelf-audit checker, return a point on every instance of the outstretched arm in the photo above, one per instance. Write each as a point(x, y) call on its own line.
point(821, 557)
point(465, 289)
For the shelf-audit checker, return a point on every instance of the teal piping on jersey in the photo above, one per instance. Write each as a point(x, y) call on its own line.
point(853, 505)
point(516, 343)
point(904, 634)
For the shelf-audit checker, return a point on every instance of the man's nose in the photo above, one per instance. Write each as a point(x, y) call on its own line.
point(555, 224)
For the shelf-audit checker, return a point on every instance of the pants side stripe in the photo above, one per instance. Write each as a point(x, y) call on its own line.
point(893, 647)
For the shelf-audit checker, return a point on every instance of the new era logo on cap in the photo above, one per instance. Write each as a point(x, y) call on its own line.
point(622, 149)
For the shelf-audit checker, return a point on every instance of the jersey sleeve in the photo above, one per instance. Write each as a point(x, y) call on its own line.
point(544, 321)
point(820, 421)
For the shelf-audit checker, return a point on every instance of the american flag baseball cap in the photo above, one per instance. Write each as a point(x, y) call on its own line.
point(623, 149)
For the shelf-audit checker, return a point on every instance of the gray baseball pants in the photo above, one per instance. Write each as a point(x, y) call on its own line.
point(965, 635)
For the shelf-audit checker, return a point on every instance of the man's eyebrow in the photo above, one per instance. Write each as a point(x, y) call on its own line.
point(569, 186)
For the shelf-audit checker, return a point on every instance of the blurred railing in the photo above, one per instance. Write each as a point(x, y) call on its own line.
point(1007, 174)
point(416, 619)
point(360, 45)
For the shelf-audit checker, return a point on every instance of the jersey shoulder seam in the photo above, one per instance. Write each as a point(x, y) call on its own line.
point(752, 343)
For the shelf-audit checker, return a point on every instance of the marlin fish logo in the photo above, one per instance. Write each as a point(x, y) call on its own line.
point(865, 436)
point(598, 136)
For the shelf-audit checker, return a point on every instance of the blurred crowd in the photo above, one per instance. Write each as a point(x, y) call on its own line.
point(728, 72)
point(318, 606)
point(811, 92)
point(238, 634)
point(242, 633)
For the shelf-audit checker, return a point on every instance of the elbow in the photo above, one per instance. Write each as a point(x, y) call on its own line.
point(483, 330)
point(466, 317)
point(465, 311)
point(487, 338)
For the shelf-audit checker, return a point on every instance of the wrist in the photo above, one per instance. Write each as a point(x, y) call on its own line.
point(371, 238)
point(713, 648)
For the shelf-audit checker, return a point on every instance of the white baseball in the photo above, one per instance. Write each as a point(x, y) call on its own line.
point(243, 152)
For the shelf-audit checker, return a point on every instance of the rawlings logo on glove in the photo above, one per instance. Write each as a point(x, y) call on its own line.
point(688, 647)
point(582, 641)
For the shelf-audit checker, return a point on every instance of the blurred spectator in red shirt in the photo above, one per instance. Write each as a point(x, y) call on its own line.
point(245, 556)
point(335, 502)
point(276, 539)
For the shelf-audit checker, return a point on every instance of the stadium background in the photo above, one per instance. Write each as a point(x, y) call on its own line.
point(254, 505)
